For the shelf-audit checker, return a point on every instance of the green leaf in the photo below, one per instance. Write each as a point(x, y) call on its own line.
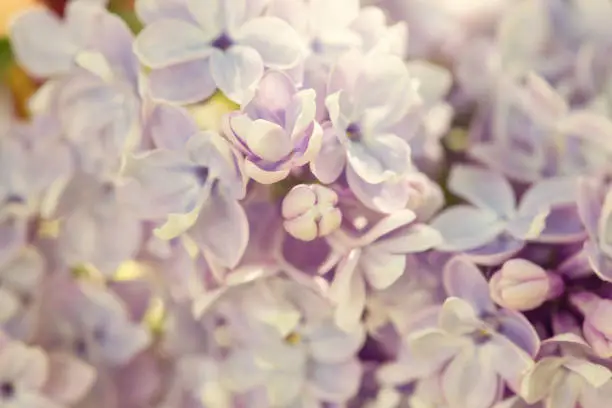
point(6, 55)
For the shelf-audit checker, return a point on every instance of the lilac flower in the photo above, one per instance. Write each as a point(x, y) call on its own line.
point(477, 346)
point(219, 44)
point(48, 46)
point(523, 285)
point(96, 226)
point(193, 184)
point(307, 362)
point(574, 379)
point(559, 141)
point(329, 30)
point(32, 160)
point(594, 205)
point(29, 377)
point(277, 130)
point(495, 228)
point(95, 324)
point(375, 258)
point(367, 97)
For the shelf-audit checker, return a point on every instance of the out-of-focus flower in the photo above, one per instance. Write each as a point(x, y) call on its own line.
point(494, 227)
point(49, 46)
point(477, 346)
point(523, 285)
point(218, 44)
point(29, 377)
point(192, 182)
point(310, 212)
point(276, 130)
point(364, 104)
point(575, 378)
point(375, 259)
point(96, 226)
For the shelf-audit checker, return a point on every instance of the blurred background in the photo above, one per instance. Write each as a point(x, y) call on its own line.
point(11, 75)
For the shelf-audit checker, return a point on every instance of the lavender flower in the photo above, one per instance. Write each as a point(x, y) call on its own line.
point(219, 44)
point(277, 131)
point(494, 228)
point(473, 337)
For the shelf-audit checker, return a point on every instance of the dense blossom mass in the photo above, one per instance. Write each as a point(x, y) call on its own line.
point(309, 204)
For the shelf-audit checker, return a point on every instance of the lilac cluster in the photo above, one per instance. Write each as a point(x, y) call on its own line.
point(309, 204)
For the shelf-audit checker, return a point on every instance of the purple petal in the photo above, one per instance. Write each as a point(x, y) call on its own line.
point(236, 72)
point(470, 381)
point(464, 227)
point(464, 280)
point(336, 382)
point(156, 49)
point(275, 40)
point(329, 344)
point(515, 327)
point(183, 83)
point(386, 197)
point(483, 188)
point(272, 97)
point(169, 127)
point(42, 44)
point(590, 199)
point(330, 161)
point(503, 247)
point(150, 11)
point(222, 229)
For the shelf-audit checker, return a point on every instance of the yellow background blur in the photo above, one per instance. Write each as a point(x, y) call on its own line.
point(10, 7)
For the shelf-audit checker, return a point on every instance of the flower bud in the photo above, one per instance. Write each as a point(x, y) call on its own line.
point(310, 212)
point(523, 285)
point(597, 326)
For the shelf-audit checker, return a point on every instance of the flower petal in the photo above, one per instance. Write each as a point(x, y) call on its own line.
point(470, 381)
point(156, 49)
point(275, 40)
point(336, 382)
point(236, 72)
point(483, 188)
point(42, 43)
point(464, 280)
point(464, 227)
point(222, 228)
point(183, 83)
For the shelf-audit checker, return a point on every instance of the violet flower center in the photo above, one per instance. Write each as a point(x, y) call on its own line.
point(7, 390)
point(223, 42)
point(353, 132)
point(202, 174)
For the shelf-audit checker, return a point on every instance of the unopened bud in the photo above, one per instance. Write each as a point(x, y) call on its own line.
point(310, 211)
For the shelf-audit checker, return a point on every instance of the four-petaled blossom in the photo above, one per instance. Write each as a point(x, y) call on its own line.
point(368, 95)
point(494, 227)
point(221, 44)
point(477, 346)
point(310, 212)
point(576, 378)
point(192, 182)
point(373, 259)
point(276, 130)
